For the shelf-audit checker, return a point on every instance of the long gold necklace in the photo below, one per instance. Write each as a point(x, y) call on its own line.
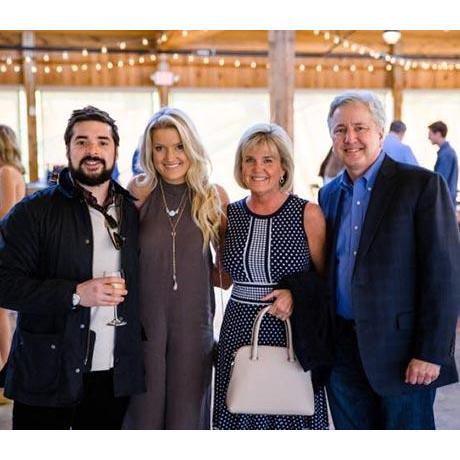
point(170, 214)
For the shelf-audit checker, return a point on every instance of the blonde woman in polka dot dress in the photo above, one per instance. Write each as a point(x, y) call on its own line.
point(268, 235)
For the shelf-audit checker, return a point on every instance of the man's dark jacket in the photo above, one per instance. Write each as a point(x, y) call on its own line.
point(405, 285)
point(46, 249)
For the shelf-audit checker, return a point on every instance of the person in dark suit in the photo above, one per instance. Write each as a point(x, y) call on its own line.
point(393, 256)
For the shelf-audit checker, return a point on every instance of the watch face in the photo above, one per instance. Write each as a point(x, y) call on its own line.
point(75, 299)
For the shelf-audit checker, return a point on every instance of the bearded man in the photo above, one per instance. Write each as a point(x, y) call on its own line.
point(69, 267)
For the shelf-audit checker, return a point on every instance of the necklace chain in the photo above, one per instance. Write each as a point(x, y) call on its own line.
point(170, 214)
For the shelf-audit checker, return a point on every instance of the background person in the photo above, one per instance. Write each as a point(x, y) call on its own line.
point(12, 190)
point(447, 162)
point(393, 146)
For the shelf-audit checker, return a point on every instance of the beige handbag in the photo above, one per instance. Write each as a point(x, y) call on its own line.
point(269, 380)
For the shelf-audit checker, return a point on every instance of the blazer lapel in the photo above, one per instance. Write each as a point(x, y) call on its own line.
point(382, 196)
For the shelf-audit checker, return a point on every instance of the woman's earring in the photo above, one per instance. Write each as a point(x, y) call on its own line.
point(282, 180)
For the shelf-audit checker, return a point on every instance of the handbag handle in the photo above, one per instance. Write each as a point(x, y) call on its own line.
point(255, 336)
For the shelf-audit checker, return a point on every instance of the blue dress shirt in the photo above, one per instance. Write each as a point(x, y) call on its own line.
point(447, 166)
point(397, 150)
point(355, 201)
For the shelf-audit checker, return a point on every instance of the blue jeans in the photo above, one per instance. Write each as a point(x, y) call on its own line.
point(356, 406)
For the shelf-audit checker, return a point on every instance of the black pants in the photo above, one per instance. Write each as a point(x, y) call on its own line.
point(99, 409)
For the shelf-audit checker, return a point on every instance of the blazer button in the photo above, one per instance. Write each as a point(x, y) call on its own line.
point(77, 370)
point(52, 346)
point(87, 241)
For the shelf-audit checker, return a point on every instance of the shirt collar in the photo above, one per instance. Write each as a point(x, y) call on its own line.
point(443, 147)
point(91, 199)
point(369, 176)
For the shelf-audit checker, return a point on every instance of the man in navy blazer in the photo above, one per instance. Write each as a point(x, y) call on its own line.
point(394, 268)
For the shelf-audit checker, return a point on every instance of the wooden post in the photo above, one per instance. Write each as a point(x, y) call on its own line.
point(163, 92)
point(281, 57)
point(28, 39)
point(397, 83)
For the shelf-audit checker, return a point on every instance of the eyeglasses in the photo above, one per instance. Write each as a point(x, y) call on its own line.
point(112, 228)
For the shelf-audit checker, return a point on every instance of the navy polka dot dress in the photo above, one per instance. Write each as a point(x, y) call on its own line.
point(258, 252)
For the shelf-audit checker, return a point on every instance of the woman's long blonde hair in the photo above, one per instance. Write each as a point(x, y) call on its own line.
point(10, 153)
point(206, 205)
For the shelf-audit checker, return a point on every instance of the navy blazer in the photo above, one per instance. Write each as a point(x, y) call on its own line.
point(406, 280)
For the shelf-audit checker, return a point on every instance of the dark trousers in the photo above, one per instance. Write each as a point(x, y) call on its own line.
point(98, 410)
point(355, 405)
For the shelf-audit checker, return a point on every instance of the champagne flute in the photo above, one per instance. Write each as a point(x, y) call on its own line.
point(116, 321)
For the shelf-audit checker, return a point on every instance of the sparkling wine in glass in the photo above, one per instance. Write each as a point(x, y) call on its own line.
point(116, 321)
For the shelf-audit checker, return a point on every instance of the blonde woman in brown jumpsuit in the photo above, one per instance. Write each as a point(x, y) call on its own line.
point(180, 214)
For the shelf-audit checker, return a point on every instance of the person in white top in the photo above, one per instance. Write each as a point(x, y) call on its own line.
point(69, 367)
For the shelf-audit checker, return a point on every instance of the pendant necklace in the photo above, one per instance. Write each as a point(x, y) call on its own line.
point(170, 213)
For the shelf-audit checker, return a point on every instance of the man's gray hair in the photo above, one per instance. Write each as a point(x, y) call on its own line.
point(368, 98)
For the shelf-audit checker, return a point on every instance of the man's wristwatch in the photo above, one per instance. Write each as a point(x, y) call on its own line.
point(75, 299)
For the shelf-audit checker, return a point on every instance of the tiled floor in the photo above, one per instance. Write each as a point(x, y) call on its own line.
point(447, 405)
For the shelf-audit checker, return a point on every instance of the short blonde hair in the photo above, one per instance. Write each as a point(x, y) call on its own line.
point(273, 135)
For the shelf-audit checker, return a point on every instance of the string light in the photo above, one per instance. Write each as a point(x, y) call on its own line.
point(34, 69)
point(389, 60)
